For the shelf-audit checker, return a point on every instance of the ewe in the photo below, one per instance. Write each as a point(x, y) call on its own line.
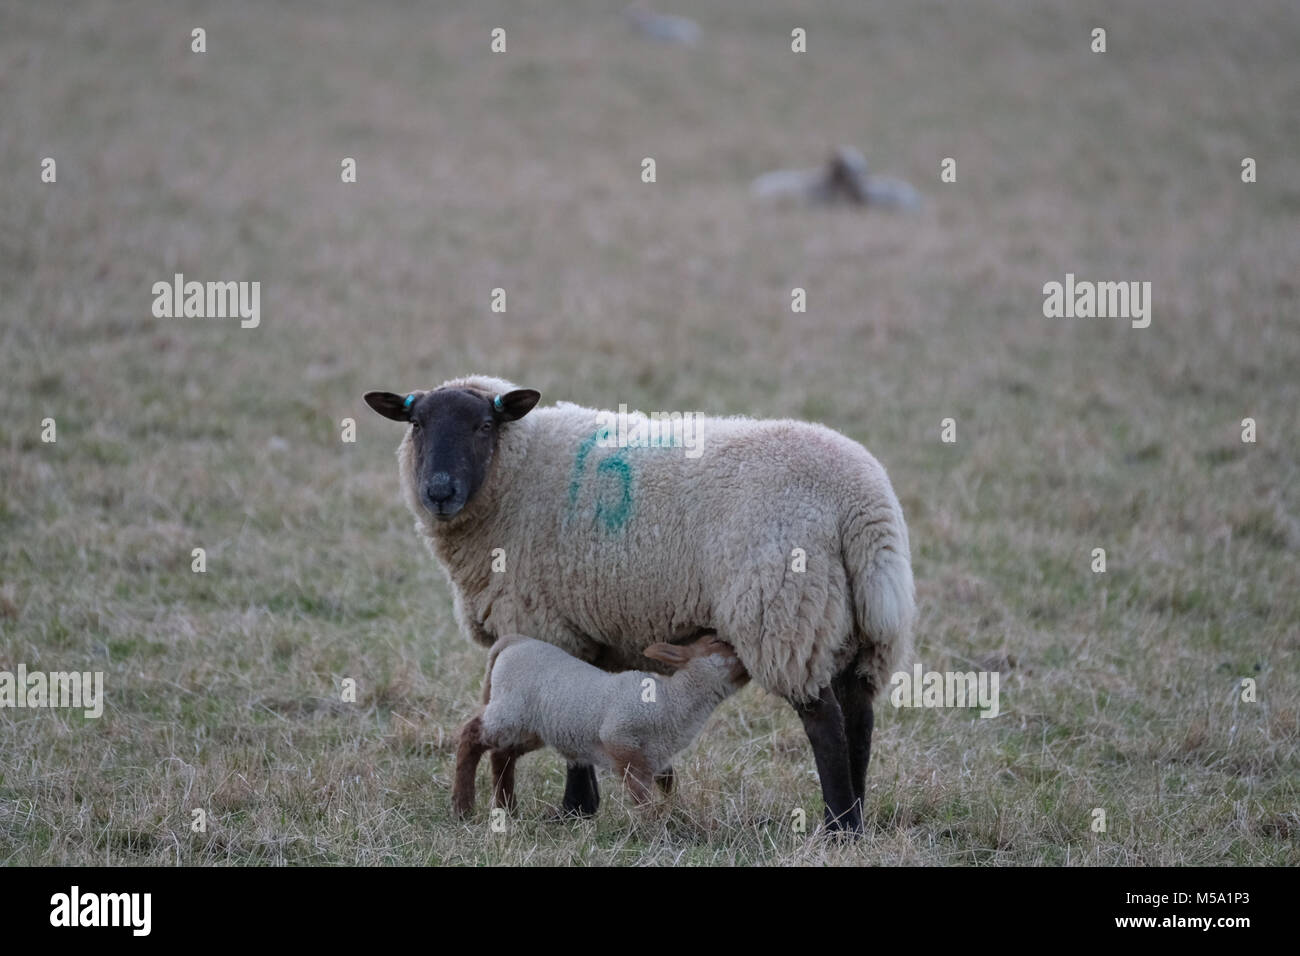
point(783, 538)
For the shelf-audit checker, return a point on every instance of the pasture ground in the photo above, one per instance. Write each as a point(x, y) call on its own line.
point(522, 171)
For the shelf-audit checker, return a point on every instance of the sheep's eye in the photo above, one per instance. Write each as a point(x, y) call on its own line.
point(415, 425)
point(485, 427)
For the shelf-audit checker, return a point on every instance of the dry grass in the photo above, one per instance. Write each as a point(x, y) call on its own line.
point(522, 171)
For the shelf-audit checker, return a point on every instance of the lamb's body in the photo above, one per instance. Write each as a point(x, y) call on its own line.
point(608, 550)
point(633, 722)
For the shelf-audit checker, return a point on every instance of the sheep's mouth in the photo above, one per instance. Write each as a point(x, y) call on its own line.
point(444, 510)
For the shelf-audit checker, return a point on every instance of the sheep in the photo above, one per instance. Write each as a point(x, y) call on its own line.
point(783, 537)
point(537, 695)
point(842, 178)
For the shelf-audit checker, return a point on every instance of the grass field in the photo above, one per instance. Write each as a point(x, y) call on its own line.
point(521, 170)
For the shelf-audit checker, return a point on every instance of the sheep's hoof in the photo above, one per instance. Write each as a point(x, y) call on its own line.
point(565, 814)
point(843, 835)
point(847, 826)
point(665, 780)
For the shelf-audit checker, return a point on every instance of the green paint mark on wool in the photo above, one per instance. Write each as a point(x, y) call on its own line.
point(614, 510)
point(580, 462)
point(614, 500)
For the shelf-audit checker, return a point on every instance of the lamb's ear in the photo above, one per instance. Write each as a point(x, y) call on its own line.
point(511, 406)
point(668, 654)
point(396, 407)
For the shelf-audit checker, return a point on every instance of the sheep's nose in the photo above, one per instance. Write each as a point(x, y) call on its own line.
point(439, 488)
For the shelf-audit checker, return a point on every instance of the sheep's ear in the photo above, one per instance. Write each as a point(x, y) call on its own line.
point(396, 407)
point(512, 406)
point(668, 654)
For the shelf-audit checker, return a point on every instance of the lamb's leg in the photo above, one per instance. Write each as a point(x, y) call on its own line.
point(854, 695)
point(503, 774)
point(639, 777)
point(503, 779)
point(469, 751)
point(666, 779)
point(823, 722)
point(581, 795)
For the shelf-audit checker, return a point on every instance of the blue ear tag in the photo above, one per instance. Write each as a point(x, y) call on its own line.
point(409, 398)
point(496, 403)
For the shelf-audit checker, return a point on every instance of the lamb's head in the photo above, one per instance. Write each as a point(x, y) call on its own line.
point(705, 653)
point(453, 436)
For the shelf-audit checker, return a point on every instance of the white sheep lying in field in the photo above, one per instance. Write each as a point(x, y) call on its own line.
point(844, 178)
point(784, 538)
point(633, 723)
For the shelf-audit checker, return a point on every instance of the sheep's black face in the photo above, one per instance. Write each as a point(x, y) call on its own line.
point(454, 436)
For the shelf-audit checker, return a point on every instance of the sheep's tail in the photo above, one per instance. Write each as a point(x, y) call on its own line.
point(501, 644)
point(879, 565)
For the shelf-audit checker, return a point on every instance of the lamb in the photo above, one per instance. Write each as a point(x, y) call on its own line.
point(536, 695)
point(782, 537)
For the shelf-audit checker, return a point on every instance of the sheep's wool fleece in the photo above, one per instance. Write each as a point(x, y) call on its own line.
point(608, 550)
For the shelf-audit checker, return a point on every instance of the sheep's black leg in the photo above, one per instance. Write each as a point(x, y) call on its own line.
point(823, 722)
point(854, 695)
point(581, 795)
